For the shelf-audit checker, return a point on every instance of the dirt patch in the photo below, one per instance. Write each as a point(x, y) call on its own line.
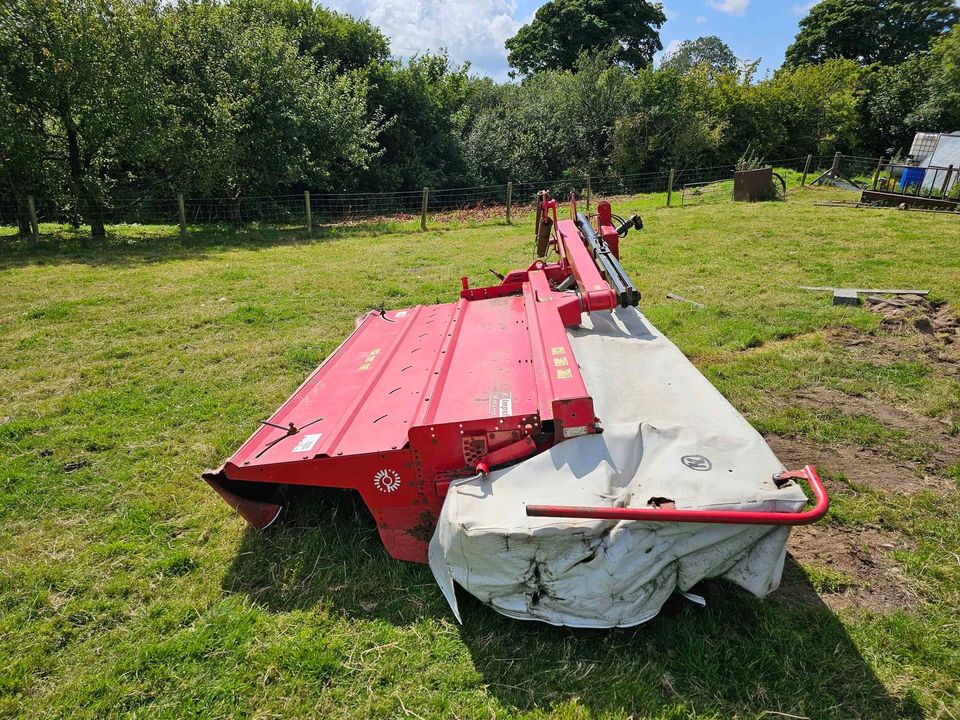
point(861, 466)
point(916, 330)
point(852, 567)
point(929, 430)
point(908, 314)
point(886, 349)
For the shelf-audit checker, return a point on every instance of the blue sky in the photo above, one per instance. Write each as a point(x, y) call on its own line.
point(475, 30)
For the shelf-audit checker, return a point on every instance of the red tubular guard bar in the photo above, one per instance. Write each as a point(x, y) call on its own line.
point(723, 517)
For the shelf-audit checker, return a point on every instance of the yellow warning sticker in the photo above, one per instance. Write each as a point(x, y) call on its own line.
point(368, 360)
point(564, 374)
point(560, 362)
point(559, 350)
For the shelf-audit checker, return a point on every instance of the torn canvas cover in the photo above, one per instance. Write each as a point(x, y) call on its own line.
point(668, 435)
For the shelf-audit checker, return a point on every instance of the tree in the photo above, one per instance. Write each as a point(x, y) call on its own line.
point(870, 31)
point(710, 51)
point(675, 121)
point(562, 29)
point(85, 71)
point(941, 109)
point(329, 37)
point(248, 113)
point(22, 132)
point(424, 106)
point(893, 98)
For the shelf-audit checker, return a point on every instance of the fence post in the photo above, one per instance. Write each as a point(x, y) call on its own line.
point(183, 216)
point(34, 227)
point(306, 205)
point(670, 186)
point(806, 171)
point(589, 193)
point(423, 209)
point(946, 182)
point(836, 165)
point(509, 201)
point(876, 174)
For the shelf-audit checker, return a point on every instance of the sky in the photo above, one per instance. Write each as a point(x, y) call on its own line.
point(475, 30)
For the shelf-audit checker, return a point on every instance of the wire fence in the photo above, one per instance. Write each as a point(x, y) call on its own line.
point(312, 210)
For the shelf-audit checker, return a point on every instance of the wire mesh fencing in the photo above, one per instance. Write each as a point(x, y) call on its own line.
point(309, 210)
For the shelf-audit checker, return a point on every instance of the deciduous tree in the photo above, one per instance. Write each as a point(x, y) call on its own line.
point(710, 51)
point(563, 29)
point(870, 31)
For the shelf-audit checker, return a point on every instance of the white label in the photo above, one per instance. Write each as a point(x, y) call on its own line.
point(307, 442)
point(501, 404)
point(572, 432)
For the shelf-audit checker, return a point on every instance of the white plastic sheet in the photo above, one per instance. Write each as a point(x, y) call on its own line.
point(668, 433)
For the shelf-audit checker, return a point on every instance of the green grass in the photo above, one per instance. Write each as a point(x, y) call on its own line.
point(127, 588)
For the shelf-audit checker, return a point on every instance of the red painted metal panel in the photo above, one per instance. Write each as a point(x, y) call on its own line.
point(595, 293)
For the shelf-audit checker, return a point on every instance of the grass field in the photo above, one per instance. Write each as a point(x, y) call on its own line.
point(127, 588)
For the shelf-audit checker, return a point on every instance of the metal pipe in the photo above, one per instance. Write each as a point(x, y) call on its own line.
point(722, 517)
point(611, 268)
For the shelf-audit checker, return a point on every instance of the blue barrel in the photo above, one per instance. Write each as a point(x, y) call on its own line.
point(912, 176)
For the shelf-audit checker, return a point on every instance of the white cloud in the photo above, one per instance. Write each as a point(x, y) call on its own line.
point(701, 19)
point(473, 30)
point(672, 47)
point(734, 7)
point(804, 8)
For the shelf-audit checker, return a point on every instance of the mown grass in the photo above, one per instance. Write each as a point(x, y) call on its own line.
point(127, 588)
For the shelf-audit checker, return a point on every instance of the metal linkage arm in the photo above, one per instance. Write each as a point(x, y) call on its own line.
point(613, 272)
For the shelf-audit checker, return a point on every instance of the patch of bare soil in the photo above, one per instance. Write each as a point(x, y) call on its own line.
point(861, 466)
point(919, 330)
point(886, 349)
point(929, 430)
point(857, 566)
point(907, 314)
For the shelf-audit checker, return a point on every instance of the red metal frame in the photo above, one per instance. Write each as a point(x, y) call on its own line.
point(723, 517)
point(417, 398)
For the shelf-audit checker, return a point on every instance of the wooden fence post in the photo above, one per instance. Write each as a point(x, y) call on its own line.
point(589, 194)
point(306, 205)
point(509, 202)
point(423, 209)
point(806, 171)
point(670, 186)
point(34, 227)
point(182, 210)
point(836, 165)
point(876, 174)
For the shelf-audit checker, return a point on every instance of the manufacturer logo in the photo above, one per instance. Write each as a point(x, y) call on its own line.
point(386, 480)
point(697, 462)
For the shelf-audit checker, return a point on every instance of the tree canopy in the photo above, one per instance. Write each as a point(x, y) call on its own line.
point(870, 31)
point(104, 103)
point(562, 29)
point(710, 51)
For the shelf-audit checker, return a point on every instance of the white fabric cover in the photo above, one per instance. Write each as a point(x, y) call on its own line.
point(656, 408)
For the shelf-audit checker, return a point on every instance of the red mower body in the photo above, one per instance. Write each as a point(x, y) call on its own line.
point(417, 398)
